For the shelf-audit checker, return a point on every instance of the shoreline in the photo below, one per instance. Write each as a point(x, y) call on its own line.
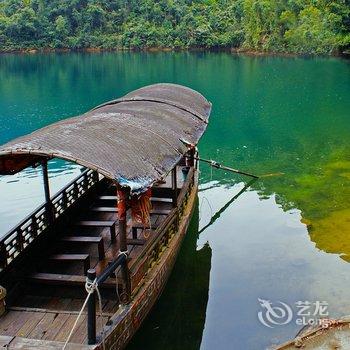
point(234, 51)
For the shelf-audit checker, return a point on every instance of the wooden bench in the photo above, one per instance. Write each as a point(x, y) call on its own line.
point(136, 227)
point(115, 210)
point(160, 211)
point(84, 258)
point(97, 223)
point(153, 199)
point(164, 200)
point(104, 209)
point(87, 240)
point(68, 280)
point(135, 241)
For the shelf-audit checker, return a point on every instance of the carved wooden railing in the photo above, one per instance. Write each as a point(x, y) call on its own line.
point(154, 249)
point(20, 237)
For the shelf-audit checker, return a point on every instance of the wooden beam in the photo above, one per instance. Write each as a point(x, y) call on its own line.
point(91, 317)
point(47, 190)
point(122, 209)
point(153, 199)
point(66, 280)
point(135, 241)
point(115, 210)
point(95, 223)
point(174, 185)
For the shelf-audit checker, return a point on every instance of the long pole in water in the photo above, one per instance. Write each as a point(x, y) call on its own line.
point(223, 167)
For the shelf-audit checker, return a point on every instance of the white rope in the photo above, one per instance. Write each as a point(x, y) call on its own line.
point(90, 287)
point(123, 252)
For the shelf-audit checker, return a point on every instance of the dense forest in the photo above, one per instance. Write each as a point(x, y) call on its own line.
point(296, 26)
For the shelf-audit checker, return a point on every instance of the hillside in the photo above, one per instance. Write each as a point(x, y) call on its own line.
point(288, 26)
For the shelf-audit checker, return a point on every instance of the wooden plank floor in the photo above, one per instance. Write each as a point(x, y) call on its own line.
point(46, 325)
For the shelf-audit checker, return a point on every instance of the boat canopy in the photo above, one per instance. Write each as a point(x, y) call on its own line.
point(134, 140)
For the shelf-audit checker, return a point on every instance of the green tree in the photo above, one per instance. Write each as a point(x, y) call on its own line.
point(23, 25)
point(313, 31)
point(61, 31)
point(301, 26)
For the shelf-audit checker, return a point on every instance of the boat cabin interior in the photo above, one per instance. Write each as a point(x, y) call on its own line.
point(45, 291)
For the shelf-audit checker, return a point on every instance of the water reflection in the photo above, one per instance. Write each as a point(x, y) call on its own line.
point(262, 251)
point(177, 320)
point(217, 215)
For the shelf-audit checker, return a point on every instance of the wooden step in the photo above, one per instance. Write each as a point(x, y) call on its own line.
point(104, 209)
point(136, 227)
point(135, 241)
point(153, 199)
point(108, 198)
point(59, 279)
point(98, 223)
point(115, 210)
point(88, 240)
point(164, 200)
point(84, 258)
point(69, 280)
point(141, 227)
point(95, 223)
point(160, 211)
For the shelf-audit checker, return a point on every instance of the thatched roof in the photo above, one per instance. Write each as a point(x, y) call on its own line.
point(134, 140)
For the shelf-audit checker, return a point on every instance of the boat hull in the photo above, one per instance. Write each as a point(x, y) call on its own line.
point(124, 324)
point(332, 334)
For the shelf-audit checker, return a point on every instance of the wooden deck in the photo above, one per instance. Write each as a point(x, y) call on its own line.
point(50, 291)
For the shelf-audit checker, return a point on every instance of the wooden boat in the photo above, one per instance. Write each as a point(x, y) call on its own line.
point(329, 334)
point(89, 244)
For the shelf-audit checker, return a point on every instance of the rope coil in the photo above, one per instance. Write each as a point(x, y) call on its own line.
point(123, 252)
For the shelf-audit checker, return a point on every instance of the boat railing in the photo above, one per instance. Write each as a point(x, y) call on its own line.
point(120, 261)
point(154, 248)
point(24, 234)
point(146, 260)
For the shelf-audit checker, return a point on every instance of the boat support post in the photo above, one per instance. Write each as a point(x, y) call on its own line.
point(122, 209)
point(91, 278)
point(91, 316)
point(174, 186)
point(47, 191)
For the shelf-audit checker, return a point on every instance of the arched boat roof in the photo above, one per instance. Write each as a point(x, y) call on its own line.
point(134, 140)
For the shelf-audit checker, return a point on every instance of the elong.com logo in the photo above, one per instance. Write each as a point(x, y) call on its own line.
point(279, 313)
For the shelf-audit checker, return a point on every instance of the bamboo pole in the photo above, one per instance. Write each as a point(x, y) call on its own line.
point(223, 167)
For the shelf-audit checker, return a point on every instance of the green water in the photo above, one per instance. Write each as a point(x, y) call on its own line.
point(286, 238)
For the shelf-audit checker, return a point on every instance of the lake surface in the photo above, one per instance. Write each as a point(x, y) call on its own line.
point(286, 238)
